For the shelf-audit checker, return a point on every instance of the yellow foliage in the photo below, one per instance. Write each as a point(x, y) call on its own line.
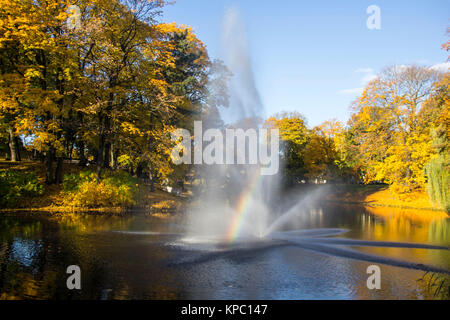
point(393, 143)
point(93, 194)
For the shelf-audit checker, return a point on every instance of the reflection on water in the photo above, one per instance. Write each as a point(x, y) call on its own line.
point(132, 257)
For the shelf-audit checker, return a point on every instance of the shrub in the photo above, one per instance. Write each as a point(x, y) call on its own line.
point(116, 189)
point(438, 188)
point(16, 185)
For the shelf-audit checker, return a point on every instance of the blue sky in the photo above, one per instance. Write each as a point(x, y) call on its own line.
point(314, 56)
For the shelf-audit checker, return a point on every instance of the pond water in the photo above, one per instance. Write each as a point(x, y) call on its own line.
point(137, 256)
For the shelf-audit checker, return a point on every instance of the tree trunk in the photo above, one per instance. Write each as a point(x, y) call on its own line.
point(151, 177)
point(69, 151)
point(17, 144)
point(139, 170)
point(107, 127)
point(58, 172)
point(80, 144)
point(83, 160)
point(112, 157)
point(49, 166)
point(150, 166)
point(107, 153)
point(41, 157)
point(101, 150)
point(12, 145)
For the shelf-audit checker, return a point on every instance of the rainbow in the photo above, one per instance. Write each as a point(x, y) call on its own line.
point(243, 208)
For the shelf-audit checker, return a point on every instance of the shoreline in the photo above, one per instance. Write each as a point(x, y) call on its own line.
point(385, 205)
point(103, 210)
point(381, 196)
point(175, 211)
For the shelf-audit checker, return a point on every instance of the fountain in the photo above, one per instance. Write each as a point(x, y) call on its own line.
point(237, 199)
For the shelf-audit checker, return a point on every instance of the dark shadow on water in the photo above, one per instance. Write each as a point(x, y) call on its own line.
point(241, 254)
point(314, 240)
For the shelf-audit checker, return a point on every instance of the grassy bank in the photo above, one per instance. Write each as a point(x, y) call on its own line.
point(117, 192)
point(380, 196)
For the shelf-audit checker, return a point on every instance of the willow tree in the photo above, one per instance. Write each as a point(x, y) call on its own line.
point(436, 115)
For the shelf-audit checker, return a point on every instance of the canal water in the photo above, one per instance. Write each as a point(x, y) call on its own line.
point(139, 256)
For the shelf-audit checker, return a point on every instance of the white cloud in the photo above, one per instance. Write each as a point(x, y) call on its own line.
point(443, 67)
point(369, 75)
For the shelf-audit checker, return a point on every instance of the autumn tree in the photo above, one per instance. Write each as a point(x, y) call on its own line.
point(294, 137)
point(325, 152)
point(393, 144)
point(36, 74)
point(110, 88)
